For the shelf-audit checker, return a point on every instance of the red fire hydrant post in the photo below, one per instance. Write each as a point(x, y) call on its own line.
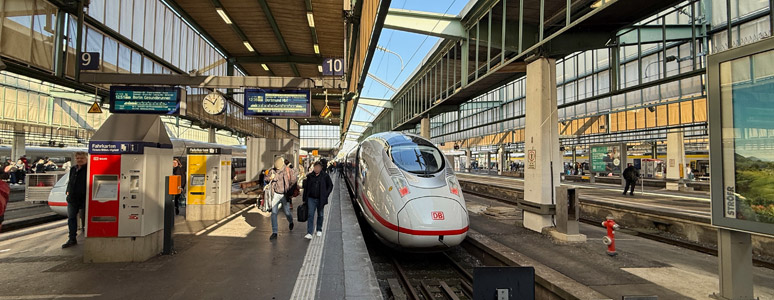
point(609, 239)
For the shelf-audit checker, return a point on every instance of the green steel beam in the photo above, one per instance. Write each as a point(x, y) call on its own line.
point(581, 41)
point(479, 105)
point(277, 33)
point(657, 34)
point(432, 24)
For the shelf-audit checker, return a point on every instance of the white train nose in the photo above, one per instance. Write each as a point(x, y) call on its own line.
point(432, 222)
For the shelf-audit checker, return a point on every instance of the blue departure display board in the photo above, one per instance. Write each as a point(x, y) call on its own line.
point(282, 104)
point(145, 100)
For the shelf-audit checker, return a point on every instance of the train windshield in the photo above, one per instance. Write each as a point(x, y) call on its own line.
point(417, 157)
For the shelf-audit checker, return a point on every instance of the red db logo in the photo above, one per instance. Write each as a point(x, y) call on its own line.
point(437, 215)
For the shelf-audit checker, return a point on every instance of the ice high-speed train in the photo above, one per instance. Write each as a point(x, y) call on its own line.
point(407, 192)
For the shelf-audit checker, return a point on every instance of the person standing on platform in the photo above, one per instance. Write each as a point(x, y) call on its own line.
point(21, 170)
point(281, 179)
point(5, 192)
point(76, 195)
point(177, 169)
point(317, 188)
point(630, 174)
point(9, 171)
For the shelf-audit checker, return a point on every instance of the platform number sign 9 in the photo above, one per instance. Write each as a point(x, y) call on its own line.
point(333, 67)
point(89, 61)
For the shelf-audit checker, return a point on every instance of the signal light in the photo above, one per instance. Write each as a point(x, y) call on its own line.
point(454, 186)
point(401, 185)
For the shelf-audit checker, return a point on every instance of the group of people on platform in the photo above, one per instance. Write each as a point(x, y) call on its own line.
point(282, 186)
point(281, 181)
point(15, 172)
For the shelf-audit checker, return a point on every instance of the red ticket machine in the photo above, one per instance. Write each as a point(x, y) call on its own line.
point(130, 155)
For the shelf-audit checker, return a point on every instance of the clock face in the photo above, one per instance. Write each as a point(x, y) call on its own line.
point(214, 103)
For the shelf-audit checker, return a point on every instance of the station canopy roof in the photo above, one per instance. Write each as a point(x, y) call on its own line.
point(288, 38)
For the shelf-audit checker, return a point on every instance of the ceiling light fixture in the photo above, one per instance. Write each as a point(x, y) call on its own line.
point(316, 49)
point(265, 67)
point(223, 15)
point(248, 46)
point(310, 18)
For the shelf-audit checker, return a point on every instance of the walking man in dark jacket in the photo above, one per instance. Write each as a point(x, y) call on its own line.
point(631, 175)
point(76, 195)
point(317, 188)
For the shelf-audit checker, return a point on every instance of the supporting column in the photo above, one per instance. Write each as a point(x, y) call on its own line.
point(675, 163)
point(488, 161)
point(467, 160)
point(211, 135)
point(424, 127)
point(541, 144)
point(500, 159)
point(262, 151)
point(735, 264)
point(18, 149)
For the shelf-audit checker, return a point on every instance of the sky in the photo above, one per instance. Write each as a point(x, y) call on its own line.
point(411, 47)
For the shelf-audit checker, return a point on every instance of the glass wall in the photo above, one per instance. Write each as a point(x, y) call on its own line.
point(319, 137)
point(27, 31)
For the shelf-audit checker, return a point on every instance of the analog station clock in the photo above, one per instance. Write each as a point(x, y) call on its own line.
point(214, 103)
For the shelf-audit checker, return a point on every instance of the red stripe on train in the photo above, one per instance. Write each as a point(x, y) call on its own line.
point(397, 228)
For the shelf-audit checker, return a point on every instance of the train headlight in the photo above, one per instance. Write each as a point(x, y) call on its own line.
point(401, 185)
point(454, 186)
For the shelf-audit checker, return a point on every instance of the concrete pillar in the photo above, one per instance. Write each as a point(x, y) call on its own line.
point(488, 161)
point(211, 135)
point(467, 160)
point(541, 144)
point(424, 127)
point(675, 162)
point(18, 149)
point(735, 264)
point(262, 151)
point(500, 159)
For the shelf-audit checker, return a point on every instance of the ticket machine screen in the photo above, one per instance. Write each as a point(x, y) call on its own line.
point(105, 188)
point(197, 180)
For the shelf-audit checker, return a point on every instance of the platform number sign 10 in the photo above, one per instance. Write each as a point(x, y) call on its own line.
point(333, 67)
point(89, 61)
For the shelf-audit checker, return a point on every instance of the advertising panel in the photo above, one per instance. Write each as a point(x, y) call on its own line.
point(277, 104)
point(606, 159)
point(741, 82)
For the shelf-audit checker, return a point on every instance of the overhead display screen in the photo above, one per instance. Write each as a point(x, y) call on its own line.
point(145, 100)
point(278, 104)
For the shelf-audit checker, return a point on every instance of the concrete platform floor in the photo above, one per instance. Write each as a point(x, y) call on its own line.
point(231, 259)
point(642, 267)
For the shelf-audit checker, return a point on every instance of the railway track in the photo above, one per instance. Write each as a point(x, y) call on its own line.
point(450, 280)
point(757, 261)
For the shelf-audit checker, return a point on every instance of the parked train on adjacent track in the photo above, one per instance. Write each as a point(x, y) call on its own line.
point(407, 192)
point(57, 199)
